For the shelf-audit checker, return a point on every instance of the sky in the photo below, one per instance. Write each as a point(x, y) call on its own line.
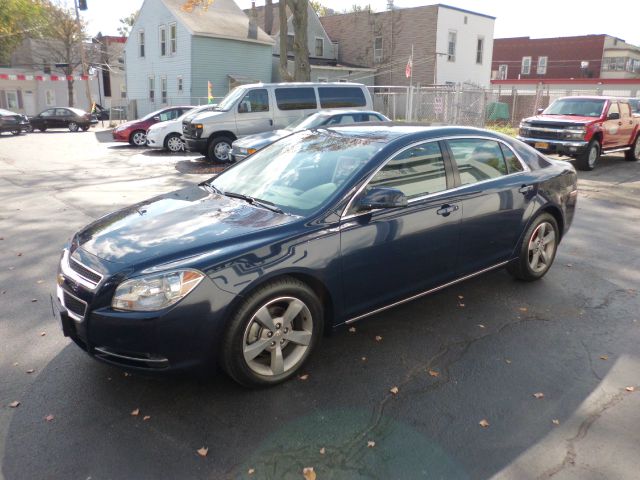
point(514, 18)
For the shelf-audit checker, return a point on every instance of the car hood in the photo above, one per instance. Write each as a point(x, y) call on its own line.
point(561, 119)
point(169, 124)
point(173, 226)
point(260, 140)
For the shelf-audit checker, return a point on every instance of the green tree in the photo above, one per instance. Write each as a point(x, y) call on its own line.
point(19, 19)
point(126, 23)
point(320, 9)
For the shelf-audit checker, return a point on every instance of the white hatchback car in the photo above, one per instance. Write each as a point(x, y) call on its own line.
point(168, 135)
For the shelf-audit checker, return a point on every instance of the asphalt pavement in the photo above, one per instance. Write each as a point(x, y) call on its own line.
point(495, 378)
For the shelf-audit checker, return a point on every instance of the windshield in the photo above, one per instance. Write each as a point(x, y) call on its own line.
point(581, 107)
point(189, 114)
point(153, 114)
point(227, 102)
point(300, 172)
point(311, 121)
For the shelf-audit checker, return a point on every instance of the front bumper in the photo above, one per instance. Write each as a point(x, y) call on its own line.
point(155, 139)
point(569, 148)
point(182, 337)
point(121, 136)
point(196, 144)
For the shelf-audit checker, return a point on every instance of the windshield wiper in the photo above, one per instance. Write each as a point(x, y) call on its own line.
point(254, 201)
point(209, 186)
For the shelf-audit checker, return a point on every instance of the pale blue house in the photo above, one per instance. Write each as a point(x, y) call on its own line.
point(172, 53)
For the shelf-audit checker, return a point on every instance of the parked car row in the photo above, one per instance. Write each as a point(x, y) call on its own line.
point(13, 122)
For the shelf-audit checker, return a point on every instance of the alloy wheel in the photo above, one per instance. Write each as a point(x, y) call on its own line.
point(139, 139)
point(175, 144)
point(542, 247)
point(221, 151)
point(277, 336)
point(593, 155)
point(73, 126)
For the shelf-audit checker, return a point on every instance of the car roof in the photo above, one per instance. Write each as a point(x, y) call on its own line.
point(344, 111)
point(388, 131)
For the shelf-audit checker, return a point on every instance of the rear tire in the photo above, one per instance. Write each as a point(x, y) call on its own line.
point(85, 128)
point(219, 150)
point(633, 155)
point(537, 250)
point(272, 333)
point(587, 160)
point(43, 129)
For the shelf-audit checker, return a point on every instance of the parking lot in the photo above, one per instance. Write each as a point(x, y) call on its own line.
point(495, 378)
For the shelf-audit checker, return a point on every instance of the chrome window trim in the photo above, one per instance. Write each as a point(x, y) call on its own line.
point(344, 216)
point(426, 292)
point(75, 276)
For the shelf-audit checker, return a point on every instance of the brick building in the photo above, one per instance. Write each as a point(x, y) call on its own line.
point(450, 45)
point(586, 56)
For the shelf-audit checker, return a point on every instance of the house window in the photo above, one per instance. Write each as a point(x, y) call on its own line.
point(451, 51)
point(163, 89)
point(319, 47)
point(479, 50)
point(503, 71)
point(123, 91)
point(173, 38)
point(620, 61)
point(541, 69)
point(152, 88)
point(163, 41)
point(525, 69)
point(377, 49)
point(180, 88)
point(290, 39)
point(141, 42)
point(12, 100)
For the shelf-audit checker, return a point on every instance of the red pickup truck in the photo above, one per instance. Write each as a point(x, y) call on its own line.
point(584, 128)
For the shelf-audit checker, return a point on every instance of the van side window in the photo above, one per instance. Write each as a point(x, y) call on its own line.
point(256, 100)
point(341, 97)
point(296, 98)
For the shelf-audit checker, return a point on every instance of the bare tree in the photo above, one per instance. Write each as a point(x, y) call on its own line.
point(63, 46)
point(300, 20)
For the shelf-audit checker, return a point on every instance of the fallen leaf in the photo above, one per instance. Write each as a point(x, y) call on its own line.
point(135, 412)
point(555, 421)
point(304, 377)
point(251, 471)
point(538, 395)
point(434, 373)
point(19, 254)
point(523, 309)
point(127, 374)
point(461, 305)
point(203, 451)
point(352, 329)
point(364, 359)
point(507, 361)
point(378, 338)
point(40, 282)
point(15, 404)
point(569, 265)
point(16, 364)
point(322, 451)
point(604, 357)
point(308, 473)
point(483, 423)
point(460, 297)
point(33, 300)
point(49, 418)
point(146, 417)
point(394, 390)
point(31, 370)
point(371, 444)
point(481, 325)
point(630, 389)
point(12, 268)
point(42, 334)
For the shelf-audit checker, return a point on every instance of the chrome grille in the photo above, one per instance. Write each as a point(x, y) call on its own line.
point(85, 272)
point(74, 305)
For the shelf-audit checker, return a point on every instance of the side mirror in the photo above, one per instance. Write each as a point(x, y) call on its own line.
point(540, 110)
point(381, 197)
point(157, 118)
point(614, 116)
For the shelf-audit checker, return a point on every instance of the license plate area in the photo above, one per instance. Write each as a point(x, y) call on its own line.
point(542, 145)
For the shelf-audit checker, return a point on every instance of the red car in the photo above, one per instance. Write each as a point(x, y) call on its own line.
point(135, 132)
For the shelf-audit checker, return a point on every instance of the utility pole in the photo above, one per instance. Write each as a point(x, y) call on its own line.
point(83, 6)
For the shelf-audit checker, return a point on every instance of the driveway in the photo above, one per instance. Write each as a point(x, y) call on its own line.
point(549, 368)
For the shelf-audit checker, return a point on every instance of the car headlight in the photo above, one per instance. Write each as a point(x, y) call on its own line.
point(575, 133)
point(525, 125)
point(155, 292)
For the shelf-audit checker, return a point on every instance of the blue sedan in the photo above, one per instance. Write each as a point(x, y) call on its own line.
point(316, 231)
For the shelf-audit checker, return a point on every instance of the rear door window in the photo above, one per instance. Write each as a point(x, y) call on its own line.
point(477, 159)
point(302, 98)
point(513, 164)
point(341, 97)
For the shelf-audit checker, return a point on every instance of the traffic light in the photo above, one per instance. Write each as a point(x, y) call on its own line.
point(82, 4)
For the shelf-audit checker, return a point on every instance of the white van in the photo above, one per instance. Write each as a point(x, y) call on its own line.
point(261, 107)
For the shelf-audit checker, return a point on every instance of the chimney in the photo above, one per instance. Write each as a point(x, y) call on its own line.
point(253, 27)
point(268, 16)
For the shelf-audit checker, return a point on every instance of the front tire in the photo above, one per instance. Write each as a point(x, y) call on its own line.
point(633, 155)
point(138, 138)
point(73, 127)
point(537, 250)
point(85, 128)
point(272, 333)
point(219, 150)
point(43, 129)
point(587, 160)
point(174, 143)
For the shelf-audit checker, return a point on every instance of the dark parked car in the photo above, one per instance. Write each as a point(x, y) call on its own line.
point(316, 231)
point(250, 144)
point(15, 123)
point(63, 117)
point(135, 132)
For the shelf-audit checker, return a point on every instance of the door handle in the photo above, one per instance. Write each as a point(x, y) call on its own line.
point(525, 189)
point(445, 210)
point(271, 122)
point(619, 123)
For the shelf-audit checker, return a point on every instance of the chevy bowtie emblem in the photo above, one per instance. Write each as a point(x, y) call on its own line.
point(60, 279)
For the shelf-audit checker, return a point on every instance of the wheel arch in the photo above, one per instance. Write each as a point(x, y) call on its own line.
point(221, 133)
